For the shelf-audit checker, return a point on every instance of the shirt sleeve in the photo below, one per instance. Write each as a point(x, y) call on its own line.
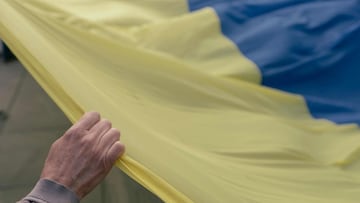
point(47, 191)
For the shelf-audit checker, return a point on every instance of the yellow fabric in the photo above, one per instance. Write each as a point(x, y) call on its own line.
point(197, 125)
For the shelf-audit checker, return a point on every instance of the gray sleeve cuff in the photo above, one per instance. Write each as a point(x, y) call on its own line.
point(47, 191)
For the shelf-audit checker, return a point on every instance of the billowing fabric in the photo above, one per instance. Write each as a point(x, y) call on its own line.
point(306, 47)
point(194, 112)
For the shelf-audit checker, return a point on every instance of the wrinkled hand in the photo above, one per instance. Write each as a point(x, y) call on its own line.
point(84, 155)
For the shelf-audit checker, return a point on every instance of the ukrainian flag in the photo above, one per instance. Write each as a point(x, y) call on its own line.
point(217, 101)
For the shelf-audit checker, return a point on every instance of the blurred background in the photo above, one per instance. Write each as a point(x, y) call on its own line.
point(29, 123)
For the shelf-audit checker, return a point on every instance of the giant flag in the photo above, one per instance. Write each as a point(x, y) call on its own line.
point(217, 100)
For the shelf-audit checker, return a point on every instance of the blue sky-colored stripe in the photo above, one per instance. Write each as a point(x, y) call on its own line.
point(307, 47)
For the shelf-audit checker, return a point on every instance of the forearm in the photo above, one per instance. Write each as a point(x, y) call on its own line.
point(47, 191)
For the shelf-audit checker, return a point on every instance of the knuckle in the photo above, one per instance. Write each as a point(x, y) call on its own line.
point(93, 114)
point(86, 140)
point(113, 135)
point(75, 131)
point(106, 123)
point(115, 132)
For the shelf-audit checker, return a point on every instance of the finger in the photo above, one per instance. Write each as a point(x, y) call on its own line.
point(100, 128)
point(115, 152)
point(109, 139)
point(88, 120)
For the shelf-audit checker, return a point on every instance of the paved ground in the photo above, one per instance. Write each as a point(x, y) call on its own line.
point(33, 123)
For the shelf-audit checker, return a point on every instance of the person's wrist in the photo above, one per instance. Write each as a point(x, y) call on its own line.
point(65, 182)
point(47, 190)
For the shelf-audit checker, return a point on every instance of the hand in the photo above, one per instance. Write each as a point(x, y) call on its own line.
point(84, 155)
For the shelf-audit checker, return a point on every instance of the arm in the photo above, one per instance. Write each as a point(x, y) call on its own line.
point(78, 161)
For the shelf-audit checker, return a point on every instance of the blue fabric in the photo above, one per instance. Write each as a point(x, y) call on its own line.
point(306, 47)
